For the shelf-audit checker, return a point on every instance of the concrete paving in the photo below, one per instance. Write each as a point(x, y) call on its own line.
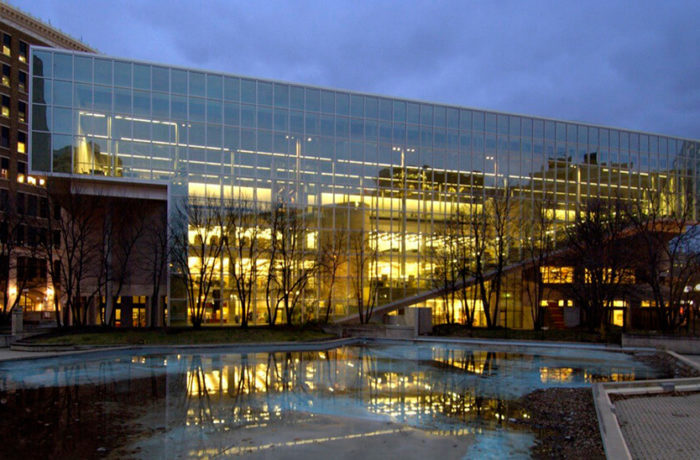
point(651, 423)
point(660, 427)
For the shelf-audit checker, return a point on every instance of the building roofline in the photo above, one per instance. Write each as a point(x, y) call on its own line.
point(39, 29)
point(381, 96)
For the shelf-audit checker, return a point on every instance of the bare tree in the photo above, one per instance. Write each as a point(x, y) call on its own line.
point(538, 245)
point(331, 257)
point(22, 227)
point(479, 238)
point(73, 248)
point(50, 247)
point(666, 236)
point(11, 235)
point(289, 271)
point(153, 252)
point(196, 251)
point(491, 234)
point(244, 247)
point(123, 227)
point(445, 255)
point(602, 263)
point(501, 214)
point(362, 268)
point(464, 253)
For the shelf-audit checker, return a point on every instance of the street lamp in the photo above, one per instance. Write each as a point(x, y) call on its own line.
point(403, 212)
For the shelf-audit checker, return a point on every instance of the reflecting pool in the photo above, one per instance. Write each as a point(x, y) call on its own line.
point(427, 400)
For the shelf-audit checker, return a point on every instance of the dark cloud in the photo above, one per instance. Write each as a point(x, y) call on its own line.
point(626, 64)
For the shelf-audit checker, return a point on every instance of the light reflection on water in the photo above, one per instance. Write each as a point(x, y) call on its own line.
point(442, 390)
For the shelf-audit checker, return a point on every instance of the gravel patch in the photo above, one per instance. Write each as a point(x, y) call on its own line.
point(565, 423)
point(668, 365)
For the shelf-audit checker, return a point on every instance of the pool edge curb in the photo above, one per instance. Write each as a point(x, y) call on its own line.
point(236, 347)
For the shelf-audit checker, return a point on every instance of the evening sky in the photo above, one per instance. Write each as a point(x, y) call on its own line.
point(629, 64)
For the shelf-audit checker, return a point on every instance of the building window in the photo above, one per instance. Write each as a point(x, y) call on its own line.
point(610, 276)
point(21, 142)
point(23, 51)
point(557, 275)
point(21, 171)
point(5, 75)
point(5, 137)
point(22, 111)
point(4, 167)
point(22, 81)
point(6, 45)
point(32, 205)
point(20, 203)
point(20, 231)
point(5, 106)
point(43, 207)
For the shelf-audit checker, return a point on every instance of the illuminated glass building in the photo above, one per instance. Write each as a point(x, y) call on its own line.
point(393, 169)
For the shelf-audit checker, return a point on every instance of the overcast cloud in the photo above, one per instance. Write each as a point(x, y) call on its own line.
point(630, 64)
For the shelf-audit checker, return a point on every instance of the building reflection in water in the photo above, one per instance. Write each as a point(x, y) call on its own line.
point(198, 398)
point(447, 391)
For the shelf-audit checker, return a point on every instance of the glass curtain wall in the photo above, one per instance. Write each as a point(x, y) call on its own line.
point(363, 174)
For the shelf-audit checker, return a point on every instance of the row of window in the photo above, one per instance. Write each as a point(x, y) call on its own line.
point(7, 48)
point(353, 157)
point(5, 108)
point(5, 139)
point(21, 170)
point(31, 205)
point(60, 120)
point(175, 84)
point(31, 236)
point(265, 146)
point(21, 78)
point(233, 114)
point(28, 268)
point(26, 203)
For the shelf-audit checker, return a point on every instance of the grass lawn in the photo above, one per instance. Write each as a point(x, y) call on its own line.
point(183, 336)
point(562, 335)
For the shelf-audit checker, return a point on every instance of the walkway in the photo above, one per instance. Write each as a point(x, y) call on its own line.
point(659, 427)
point(651, 422)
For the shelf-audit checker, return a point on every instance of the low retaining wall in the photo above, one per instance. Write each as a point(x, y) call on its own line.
point(385, 332)
point(8, 339)
point(687, 345)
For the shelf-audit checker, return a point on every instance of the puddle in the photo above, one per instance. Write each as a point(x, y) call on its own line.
point(415, 401)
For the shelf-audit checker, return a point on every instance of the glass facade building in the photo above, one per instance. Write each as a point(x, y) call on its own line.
point(393, 169)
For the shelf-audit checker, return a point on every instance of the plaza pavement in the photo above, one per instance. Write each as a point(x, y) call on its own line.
point(661, 427)
point(651, 422)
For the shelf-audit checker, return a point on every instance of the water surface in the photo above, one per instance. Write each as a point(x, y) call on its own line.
point(410, 400)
